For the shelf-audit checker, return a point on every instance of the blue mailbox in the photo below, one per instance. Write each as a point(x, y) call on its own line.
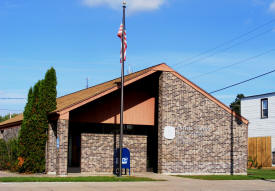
point(125, 162)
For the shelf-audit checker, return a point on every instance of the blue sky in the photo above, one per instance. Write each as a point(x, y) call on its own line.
point(78, 38)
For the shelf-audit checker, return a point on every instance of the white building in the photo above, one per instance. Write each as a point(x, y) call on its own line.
point(259, 110)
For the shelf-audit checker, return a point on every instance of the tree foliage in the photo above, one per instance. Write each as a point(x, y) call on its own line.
point(9, 155)
point(236, 105)
point(49, 88)
point(33, 134)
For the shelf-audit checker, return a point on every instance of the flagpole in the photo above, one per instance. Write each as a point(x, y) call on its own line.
point(122, 93)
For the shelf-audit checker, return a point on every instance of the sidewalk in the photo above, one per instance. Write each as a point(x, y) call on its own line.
point(172, 184)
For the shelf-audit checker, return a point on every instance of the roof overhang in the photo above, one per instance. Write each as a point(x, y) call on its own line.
point(101, 94)
point(9, 125)
point(64, 112)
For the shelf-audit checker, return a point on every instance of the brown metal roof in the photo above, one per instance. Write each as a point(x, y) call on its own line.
point(72, 100)
point(77, 97)
point(12, 121)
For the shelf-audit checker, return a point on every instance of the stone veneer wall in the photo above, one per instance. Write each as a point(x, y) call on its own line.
point(56, 159)
point(9, 133)
point(97, 152)
point(51, 152)
point(62, 152)
point(208, 139)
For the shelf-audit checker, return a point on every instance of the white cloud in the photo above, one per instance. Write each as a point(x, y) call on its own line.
point(132, 5)
point(272, 6)
point(258, 2)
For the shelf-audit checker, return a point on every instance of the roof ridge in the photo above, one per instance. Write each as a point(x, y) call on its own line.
point(258, 95)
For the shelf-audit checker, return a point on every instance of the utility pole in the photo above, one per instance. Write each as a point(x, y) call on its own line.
point(129, 69)
point(87, 83)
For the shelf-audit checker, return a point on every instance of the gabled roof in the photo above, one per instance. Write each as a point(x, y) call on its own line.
point(12, 121)
point(259, 96)
point(74, 98)
point(71, 101)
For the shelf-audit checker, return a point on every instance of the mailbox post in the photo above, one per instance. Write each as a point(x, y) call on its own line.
point(125, 161)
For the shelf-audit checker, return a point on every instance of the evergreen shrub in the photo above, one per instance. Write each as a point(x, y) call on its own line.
point(33, 134)
point(9, 155)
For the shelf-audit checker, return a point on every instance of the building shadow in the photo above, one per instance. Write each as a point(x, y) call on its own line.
point(115, 133)
point(239, 122)
point(232, 144)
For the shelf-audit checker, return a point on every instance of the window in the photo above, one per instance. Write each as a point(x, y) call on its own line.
point(264, 108)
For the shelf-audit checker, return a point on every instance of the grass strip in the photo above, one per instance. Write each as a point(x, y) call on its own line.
point(252, 174)
point(220, 177)
point(77, 179)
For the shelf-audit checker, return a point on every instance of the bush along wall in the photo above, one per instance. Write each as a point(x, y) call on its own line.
point(9, 155)
point(3, 155)
point(33, 134)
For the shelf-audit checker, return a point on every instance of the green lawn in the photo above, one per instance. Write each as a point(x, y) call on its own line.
point(262, 173)
point(77, 179)
point(252, 174)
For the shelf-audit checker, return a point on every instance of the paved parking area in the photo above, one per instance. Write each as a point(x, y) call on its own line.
point(172, 184)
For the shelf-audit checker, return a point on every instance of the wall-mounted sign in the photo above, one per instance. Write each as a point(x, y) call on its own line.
point(190, 135)
point(196, 130)
point(169, 132)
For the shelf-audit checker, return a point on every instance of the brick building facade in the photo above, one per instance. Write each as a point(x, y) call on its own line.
point(208, 139)
point(205, 136)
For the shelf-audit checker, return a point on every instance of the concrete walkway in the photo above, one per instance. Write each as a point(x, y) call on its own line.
point(172, 184)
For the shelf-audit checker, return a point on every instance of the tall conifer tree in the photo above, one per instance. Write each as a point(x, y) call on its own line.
point(33, 134)
point(24, 136)
point(50, 90)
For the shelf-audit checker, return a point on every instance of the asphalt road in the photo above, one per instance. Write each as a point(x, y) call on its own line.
point(173, 184)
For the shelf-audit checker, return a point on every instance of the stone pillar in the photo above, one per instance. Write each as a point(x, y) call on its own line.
point(62, 151)
point(51, 152)
point(160, 124)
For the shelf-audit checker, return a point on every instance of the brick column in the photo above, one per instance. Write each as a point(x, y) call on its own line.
point(160, 125)
point(62, 153)
point(51, 151)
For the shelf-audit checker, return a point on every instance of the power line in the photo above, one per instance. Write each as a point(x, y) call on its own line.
point(12, 98)
point(231, 40)
point(242, 82)
point(227, 41)
point(10, 110)
point(225, 49)
point(234, 64)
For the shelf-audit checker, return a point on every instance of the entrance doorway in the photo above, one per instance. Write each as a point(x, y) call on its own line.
point(152, 149)
point(74, 147)
point(74, 151)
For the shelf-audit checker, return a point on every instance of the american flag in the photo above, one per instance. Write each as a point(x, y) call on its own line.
point(119, 34)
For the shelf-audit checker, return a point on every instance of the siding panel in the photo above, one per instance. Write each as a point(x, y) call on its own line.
point(251, 110)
